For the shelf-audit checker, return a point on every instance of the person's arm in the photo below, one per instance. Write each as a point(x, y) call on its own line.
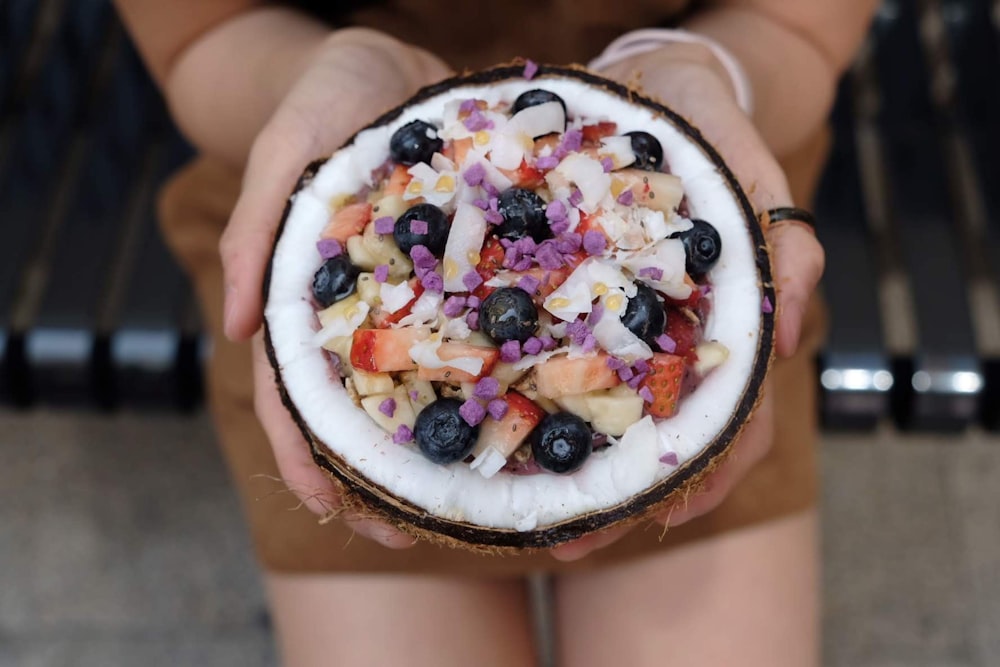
point(793, 54)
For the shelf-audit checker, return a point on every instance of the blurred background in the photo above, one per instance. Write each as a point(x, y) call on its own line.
point(120, 540)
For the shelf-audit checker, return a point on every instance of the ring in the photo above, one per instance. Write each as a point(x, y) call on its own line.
point(792, 214)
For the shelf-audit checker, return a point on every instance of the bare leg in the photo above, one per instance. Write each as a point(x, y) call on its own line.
point(745, 598)
point(348, 620)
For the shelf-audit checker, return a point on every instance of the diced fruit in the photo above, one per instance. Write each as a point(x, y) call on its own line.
point(390, 206)
point(341, 346)
point(348, 222)
point(396, 186)
point(383, 319)
point(685, 332)
point(711, 354)
point(506, 435)
point(577, 404)
point(561, 443)
point(453, 350)
point(420, 392)
point(506, 375)
point(460, 150)
point(368, 288)
point(402, 414)
point(360, 255)
point(654, 190)
point(594, 133)
point(560, 376)
point(525, 176)
point(383, 250)
point(342, 310)
point(614, 410)
point(693, 298)
point(385, 350)
point(442, 434)
point(368, 384)
point(664, 381)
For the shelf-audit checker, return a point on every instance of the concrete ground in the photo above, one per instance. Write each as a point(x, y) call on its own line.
point(121, 544)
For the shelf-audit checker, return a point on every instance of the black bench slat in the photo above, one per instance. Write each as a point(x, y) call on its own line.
point(855, 373)
point(66, 354)
point(153, 351)
point(944, 382)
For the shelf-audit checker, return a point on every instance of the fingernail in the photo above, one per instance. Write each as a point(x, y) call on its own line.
point(229, 311)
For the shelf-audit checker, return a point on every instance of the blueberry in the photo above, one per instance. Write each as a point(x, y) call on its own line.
point(533, 98)
point(644, 315)
point(335, 280)
point(647, 149)
point(702, 247)
point(561, 442)
point(437, 229)
point(508, 314)
point(523, 214)
point(442, 433)
point(417, 141)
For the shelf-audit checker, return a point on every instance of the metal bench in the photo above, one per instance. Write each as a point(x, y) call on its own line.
point(94, 312)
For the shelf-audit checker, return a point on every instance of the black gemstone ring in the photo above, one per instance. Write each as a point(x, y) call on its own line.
point(791, 213)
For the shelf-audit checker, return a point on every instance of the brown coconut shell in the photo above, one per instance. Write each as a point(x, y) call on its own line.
point(368, 499)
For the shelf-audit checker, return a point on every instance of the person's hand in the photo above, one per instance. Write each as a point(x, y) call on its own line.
point(353, 76)
point(688, 80)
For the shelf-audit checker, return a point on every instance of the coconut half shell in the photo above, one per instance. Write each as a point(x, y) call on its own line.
point(652, 464)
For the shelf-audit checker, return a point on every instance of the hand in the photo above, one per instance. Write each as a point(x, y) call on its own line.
point(686, 78)
point(354, 75)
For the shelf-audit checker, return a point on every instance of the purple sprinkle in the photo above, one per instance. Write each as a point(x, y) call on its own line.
point(491, 189)
point(548, 256)
point(705, 289)
point(555, 211)
point(381, 273)
point(570, 243)
point(589, 343)
point(468, 106)
point(473, 176)
point(532, 345)
point(388, 407)
point(670, 458)
point(493, 217)
point(576, 197)
point(472, 319)
point(477, 121)
point(608, 164)
point(418, 226)
point(530, 69)
point(422, 257)
point(594, 242)
point(596, 313)
point(494, 203)
point(472, 301)
point(414, 395)
point(646, 394)
point(384, 225)
point(571, 141)
point(403, 434)
point(577, 332)
point(654, 273)
point(487, 388)
point(560, 227)
point(636, 380)
point(472, 280)
point(547, 162)
point(641, 366)
point(626, 198)
point(510, 352)
point(625, 374)
point(666, 343)
point(481, 203)
point(523, 264)
point(472, 412)
point(529, 283)
point(614, 363)
point(432, 282)
point(329, 248)
point(525, 245)
point(549, 343)
point(767, 306)
point(453, 306)
point(497, 408)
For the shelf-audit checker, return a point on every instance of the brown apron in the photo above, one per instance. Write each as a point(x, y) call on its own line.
point(196, 204)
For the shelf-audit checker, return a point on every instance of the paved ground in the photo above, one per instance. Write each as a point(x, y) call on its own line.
point(120, 544)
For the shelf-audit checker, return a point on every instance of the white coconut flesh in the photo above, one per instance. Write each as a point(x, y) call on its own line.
point(650, 452)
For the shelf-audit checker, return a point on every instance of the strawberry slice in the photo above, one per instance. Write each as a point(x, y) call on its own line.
point(507, 434)
point(525, 176)
point(384, 350)
point(594, 133)
point(348, 221)
point(684, 332)
point(452, 350)
point(384, 320)
point(398, 181)
point(560, 376)
point(664, 381)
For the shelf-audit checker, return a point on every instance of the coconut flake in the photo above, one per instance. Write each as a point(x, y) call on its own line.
point(589, 176)
point(461, 252)
point(539, 120)
point(619, 150)
point(488, 462)
point(425, 353)
point(394, 297)
point(667, 255)
point(424, 310)
point(619, 341)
